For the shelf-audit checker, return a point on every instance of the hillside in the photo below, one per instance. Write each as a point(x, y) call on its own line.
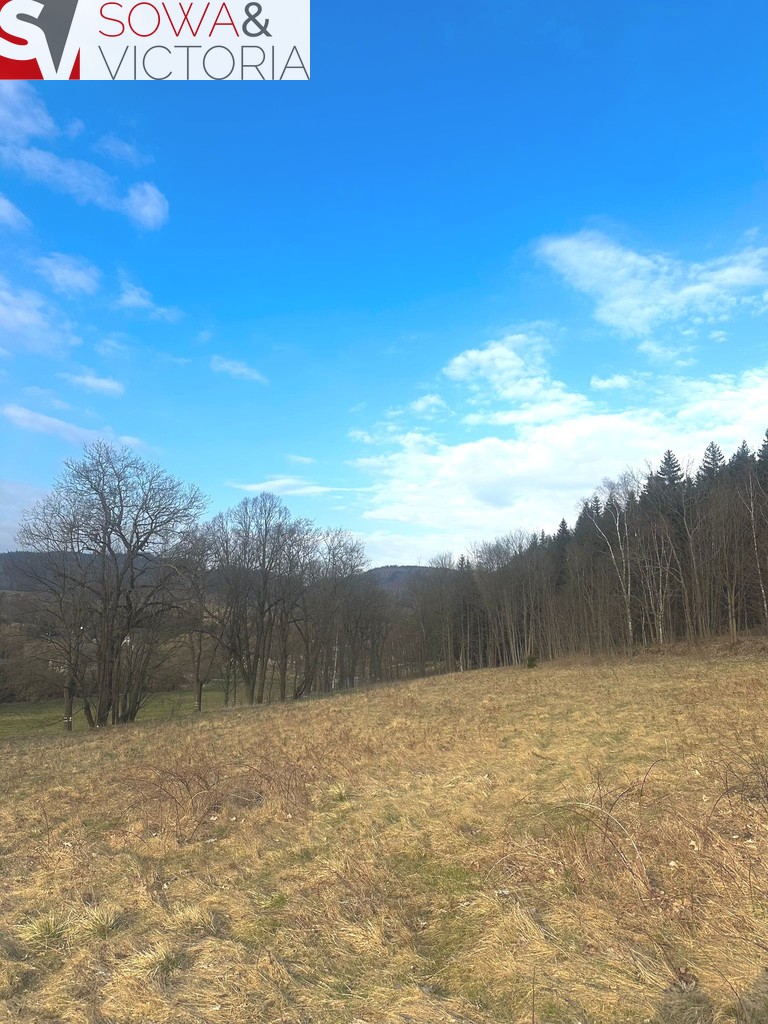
point(397, 578)
point(586, 842)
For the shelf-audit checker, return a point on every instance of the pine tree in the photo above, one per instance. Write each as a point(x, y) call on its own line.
point(742, 460)
point(762, 461)
point(583, 526)
point(560, 544)
point(711, 464)
point(670, 474)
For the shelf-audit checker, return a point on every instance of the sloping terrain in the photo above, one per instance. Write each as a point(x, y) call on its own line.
point(579, 842)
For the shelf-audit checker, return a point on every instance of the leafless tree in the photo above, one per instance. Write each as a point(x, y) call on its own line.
point(103, 540)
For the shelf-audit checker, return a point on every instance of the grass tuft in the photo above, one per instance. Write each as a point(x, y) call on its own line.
point(46, 931)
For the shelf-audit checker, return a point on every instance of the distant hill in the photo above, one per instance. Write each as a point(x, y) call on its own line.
point(396, 578)
point(10, 577)
point(393, 578)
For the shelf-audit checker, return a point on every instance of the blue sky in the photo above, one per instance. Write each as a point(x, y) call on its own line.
point(488, 256)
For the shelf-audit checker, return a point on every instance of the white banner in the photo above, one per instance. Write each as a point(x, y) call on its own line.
point(155, 40)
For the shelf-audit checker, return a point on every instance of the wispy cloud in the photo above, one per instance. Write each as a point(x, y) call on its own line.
point(23, 114)
point(293, 485)
point(674, 355)
point(428, 406)
point(28, 320)
point(23, 118)
point(89, 381)
point(635, 292)
point(120, 150)
point(617, 382)
point(69, 275)
point(304, 460)
point(134, 297)
point(27, 419)
point(235, 368)
point(11, 216)
point(110, 348)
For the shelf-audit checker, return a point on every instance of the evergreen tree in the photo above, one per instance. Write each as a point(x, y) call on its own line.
point(742, 460)
point(583, 526)
point(711, 464)
point(560, 544)
point(669, 474)
point(762, 461)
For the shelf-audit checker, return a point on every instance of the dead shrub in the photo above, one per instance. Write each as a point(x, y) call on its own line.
point(746, 778)
point(184, 794)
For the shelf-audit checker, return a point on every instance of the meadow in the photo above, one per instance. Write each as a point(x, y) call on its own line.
point(586, 841)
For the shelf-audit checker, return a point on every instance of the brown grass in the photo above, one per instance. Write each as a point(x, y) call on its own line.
point(585, 842)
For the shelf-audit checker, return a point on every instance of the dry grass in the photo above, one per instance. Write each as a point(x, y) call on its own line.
point(582, 842)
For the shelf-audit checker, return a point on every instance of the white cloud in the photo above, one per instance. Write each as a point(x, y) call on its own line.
point(428, 406)
point(617, 382)
point(146, 205)
point(69, 274)
point(363, 436)
point(109, 348)
point(26, 419)
point(512, 371)
point(167, 357)
point(235, 368)
point(292, 486)
point(635, 293)
point(435, 494)
point(134, 297)
point(677, 356)
point(509, 367)
point(118, 149)
point(28, 319)
point(24, 117)
point(302, 459)
point(724, 407)
point(89, 381)
point(11, 216)
point(84, 182)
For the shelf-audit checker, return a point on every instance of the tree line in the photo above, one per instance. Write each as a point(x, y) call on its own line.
point(652, 557)
point(130, 587)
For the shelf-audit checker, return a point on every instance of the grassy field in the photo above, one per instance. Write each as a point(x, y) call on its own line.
point(47, 716)
point(583, 842)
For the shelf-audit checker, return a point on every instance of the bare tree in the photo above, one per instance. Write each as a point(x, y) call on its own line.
point(249, 543)
point(103, 539)
point(203, 626)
